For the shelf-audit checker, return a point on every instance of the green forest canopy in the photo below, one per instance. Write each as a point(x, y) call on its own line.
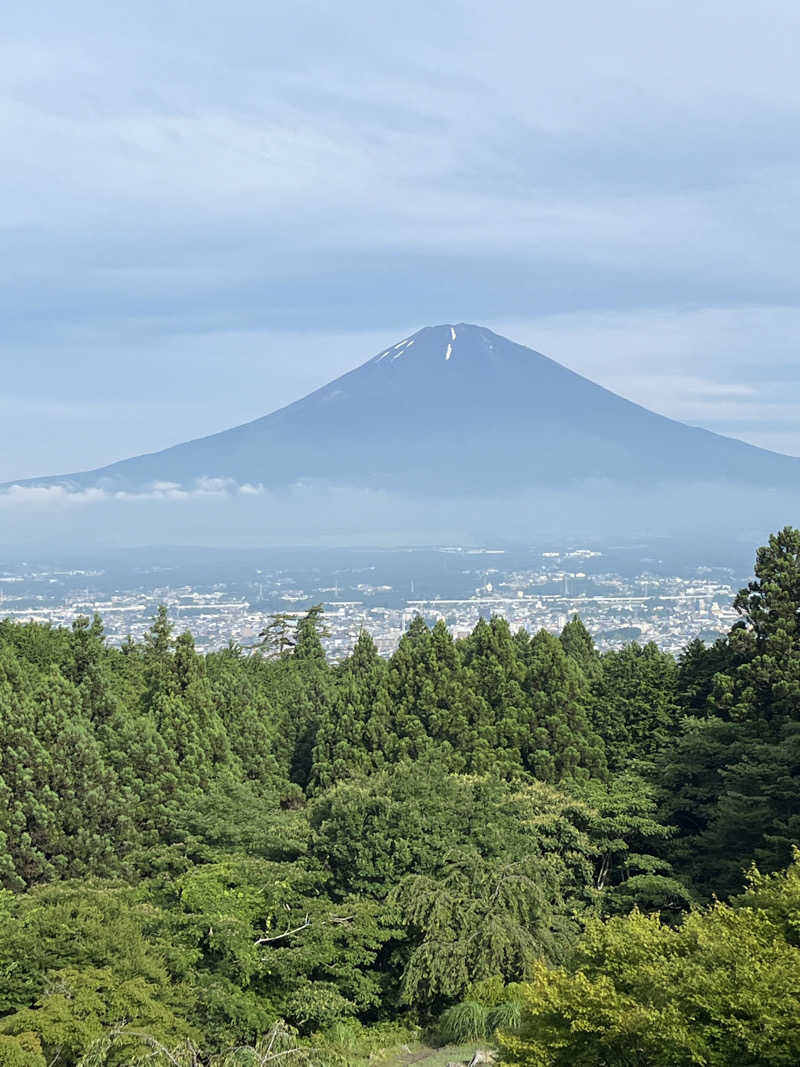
point(232, 857)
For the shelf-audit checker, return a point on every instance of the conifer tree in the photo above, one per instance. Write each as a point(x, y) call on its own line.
point(728, 782)
point(561, 741)
point(765, 687)
point(409, 700)
point(307, 688)
point(498, 707)
point(277, 637)
point(157, 654)
point(698, 664)
point(439, 706)
point(579, 646)
point(63, 801)
point(247, 717)
point(355, 734)
point(635, 702)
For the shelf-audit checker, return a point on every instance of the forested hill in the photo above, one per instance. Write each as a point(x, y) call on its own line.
point(508, 839)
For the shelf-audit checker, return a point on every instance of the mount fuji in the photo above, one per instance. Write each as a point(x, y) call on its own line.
point(453, 410)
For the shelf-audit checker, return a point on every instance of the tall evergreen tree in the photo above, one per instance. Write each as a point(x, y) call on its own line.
point(579, 646)
point(498, 706)
point(698, 665)
point(355, 734)
point(634, 702)
point(561, 742)
point(728, 782)
point(308, 685)
point(765, 687)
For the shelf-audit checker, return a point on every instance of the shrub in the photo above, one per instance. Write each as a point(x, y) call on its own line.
point(506, 1016)
point(467, 1021)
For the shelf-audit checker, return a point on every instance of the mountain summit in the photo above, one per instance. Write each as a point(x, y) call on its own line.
point(450, 410)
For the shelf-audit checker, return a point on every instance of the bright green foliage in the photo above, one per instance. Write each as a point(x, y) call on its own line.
point(21, 1050)
point(721, 990)
point(78, 961)
point(79, 1006)
point(75, 927)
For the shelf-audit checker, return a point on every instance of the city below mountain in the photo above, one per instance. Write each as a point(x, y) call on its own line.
point(453, 410)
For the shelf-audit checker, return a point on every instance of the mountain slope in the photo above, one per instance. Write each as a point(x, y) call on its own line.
point(454, 409)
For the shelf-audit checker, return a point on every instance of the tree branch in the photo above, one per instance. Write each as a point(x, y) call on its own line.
point(286, 933)
point(335, 920)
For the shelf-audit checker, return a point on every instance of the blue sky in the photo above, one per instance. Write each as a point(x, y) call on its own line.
point(207, 210)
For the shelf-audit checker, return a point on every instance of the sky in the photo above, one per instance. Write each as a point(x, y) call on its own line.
point(207, 210)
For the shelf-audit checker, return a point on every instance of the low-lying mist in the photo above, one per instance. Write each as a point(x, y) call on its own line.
point(226, 515)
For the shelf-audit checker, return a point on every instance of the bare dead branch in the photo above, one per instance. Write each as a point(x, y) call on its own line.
point(334, 920)
point(286, 933)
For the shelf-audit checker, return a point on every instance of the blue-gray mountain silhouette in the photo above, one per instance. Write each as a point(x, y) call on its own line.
point(452, 410)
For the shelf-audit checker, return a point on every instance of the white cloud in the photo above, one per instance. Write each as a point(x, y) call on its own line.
point(63, 496)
